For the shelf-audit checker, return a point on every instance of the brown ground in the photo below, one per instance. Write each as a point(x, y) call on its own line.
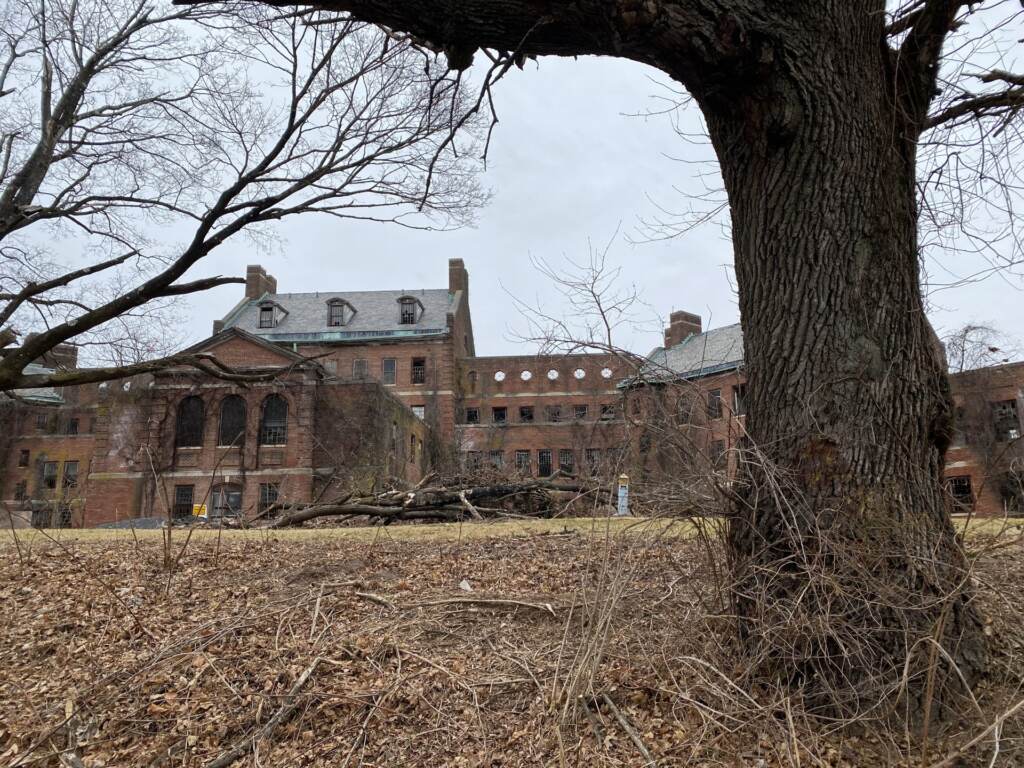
point(110, 658)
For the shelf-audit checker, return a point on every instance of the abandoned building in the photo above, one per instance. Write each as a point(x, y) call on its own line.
point(363, 388)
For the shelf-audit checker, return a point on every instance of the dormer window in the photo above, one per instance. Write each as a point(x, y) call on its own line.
point(271, 314)
point(339, 313)
point(410, 310)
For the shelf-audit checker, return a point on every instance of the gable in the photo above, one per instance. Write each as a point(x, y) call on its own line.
point(244, 351)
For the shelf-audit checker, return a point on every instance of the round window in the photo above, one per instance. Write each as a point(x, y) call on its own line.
point(525, 375)
point(552, 374)
point(499, 375)
point(579, 373)
point(606, 373)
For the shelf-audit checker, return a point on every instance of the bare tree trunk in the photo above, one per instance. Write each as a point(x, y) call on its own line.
point(848, 394)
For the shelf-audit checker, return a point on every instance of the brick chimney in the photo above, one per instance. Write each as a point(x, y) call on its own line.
point(258, 282)
point(458, 277)
point(681, 325)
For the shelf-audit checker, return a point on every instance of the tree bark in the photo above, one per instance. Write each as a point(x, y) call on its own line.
point(844, 553)
point(846, 561)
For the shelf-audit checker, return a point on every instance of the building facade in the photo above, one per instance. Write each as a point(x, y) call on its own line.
point(337, 390)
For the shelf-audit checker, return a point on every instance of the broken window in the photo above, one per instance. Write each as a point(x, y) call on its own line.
point(419, 411)
point(70, 474)
point(1005, 420)
point(21, 490)
point(50, 475)
point(593, 459)
point(183, 496)
point(714, 404)
point(266, 317)
point(716, 452)
point(497, 459)
point(607, 412)
point(961, 491)
point(269, 494)
point(63, 516)
point(472, 415)
point(232, 421)
point(523, 462)
point(360, 369)
point(739, 399)
point(499, 415)
point(412, 448)
point(335, 313)
point(274, 421)
point(526, 414)
point(389, 370)
point(226, 501)
point(544, 463)
point(42, 422)
point(472, 377)
point(474, 459)
point(73, 426)
point(23, 457)
point(407, 311)
point(189, 432)
point(566, 461)
point(554, 412)
point(579, 412)
point(419, 370)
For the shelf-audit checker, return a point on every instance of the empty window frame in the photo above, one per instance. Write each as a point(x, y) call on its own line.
point(23, 457)
point(739, 399)
point(961, 491)
point(266, 317)
point(566, 461)
point(49, 475)
point(335, 313)
point(499, 414)
point(231, 429)
point(553, 413)
point(473, 459)
point(226, 501)
point(714, 404)
point(389, 370)
point(407, 311)
point(544, 462)
point(419, 370)
point(42, 422)
point(21, 490)
point(70, 479)
point(420, 411)
point(269, 494)
point(412, 448)
point(523, 462)
point(360, 369)
point(593, 458)
point(73, 425)
point(472, 415)
point(63, 517)
point(496, 459)
point(526, 414)
point(579, 412)
point(1005, 420)
point(608, 411)
point(716, 453)
point(189, 427)
point(274, 421)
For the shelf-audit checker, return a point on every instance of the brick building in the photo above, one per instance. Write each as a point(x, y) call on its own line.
point(373, 385)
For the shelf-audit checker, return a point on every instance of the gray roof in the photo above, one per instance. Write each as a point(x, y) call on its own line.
point(703, 354)
point(48, 395)
point(376, 315)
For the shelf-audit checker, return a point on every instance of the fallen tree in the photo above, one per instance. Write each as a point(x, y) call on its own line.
point(530, 498)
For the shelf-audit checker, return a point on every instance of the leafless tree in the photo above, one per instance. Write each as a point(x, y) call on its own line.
point(135, 138)
point(819, 113)
point(978, 346)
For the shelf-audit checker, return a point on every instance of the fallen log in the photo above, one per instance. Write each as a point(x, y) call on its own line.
point(438, 503)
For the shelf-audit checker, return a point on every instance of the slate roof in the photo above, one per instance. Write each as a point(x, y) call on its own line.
point(377, 315)
point(714, 351)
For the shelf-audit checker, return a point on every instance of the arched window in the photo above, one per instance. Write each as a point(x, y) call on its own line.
point(232, 421)
point(189, 431)
point(274, 421)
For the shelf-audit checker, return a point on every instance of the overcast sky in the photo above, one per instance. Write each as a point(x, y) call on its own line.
point(569, 165)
